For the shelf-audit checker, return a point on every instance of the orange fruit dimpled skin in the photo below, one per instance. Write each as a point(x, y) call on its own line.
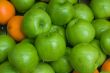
point(7, 11)
point(106, 66)
point(14, 28)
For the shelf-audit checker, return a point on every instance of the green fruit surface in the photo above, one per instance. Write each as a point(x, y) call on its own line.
point(44, 68)
point(41, 5)
point(84, 58)
point(34, 22)
point(82, 11)
point(60, 11)
point(62, 65)
point(79, 31)
point(23, 5)
point(95, 43)
point(6, 45)
point(100, 25)
point(6, 67)
point(73, 1)
point(101, 8)
point(105, 42)
point(50, 46)
point(24, 57)
point(58, 29)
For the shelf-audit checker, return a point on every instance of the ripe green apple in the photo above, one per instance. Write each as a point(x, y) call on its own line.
point(43, 68)
point(100, 25)
point(101, 8)
point(6, 67)
point(58, 29)
point(60, 11)
point(40, 5)
point(36, 21)
point(28, 40)
point(22, 5)
point(82, 11)
point(95, 43)
point(24, 57)
point(62, 65)
point(51, 46)
point(80, 31)
point(84, 58)
point(105, 42)
point(6, 45)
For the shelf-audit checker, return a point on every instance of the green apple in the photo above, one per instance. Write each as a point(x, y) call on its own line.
point(36, 21)
point(84, 58)
point(95, 43)
point(100, 25)
point(62, 65)
point(105, 42)
point(22, 5)
point(60, 11)
point(58, 29)
point(28, 40)
point(6, 45)
point(24, 57)
point(101, 8)
point(50, 46)
point(82, 11)
point(6, 67)
point(80, 31)
point(40, 5)
point(43, 68)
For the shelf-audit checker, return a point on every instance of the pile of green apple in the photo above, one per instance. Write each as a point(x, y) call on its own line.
point(61, 36)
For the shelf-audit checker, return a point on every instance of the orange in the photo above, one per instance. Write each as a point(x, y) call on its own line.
point(7, 11)
point(96, 71)
point(14, 28)
point(106, 66)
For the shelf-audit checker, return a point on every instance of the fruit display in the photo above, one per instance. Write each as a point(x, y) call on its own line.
point(54, 36)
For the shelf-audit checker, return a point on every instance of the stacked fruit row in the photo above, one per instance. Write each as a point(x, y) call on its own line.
point(55, 36)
